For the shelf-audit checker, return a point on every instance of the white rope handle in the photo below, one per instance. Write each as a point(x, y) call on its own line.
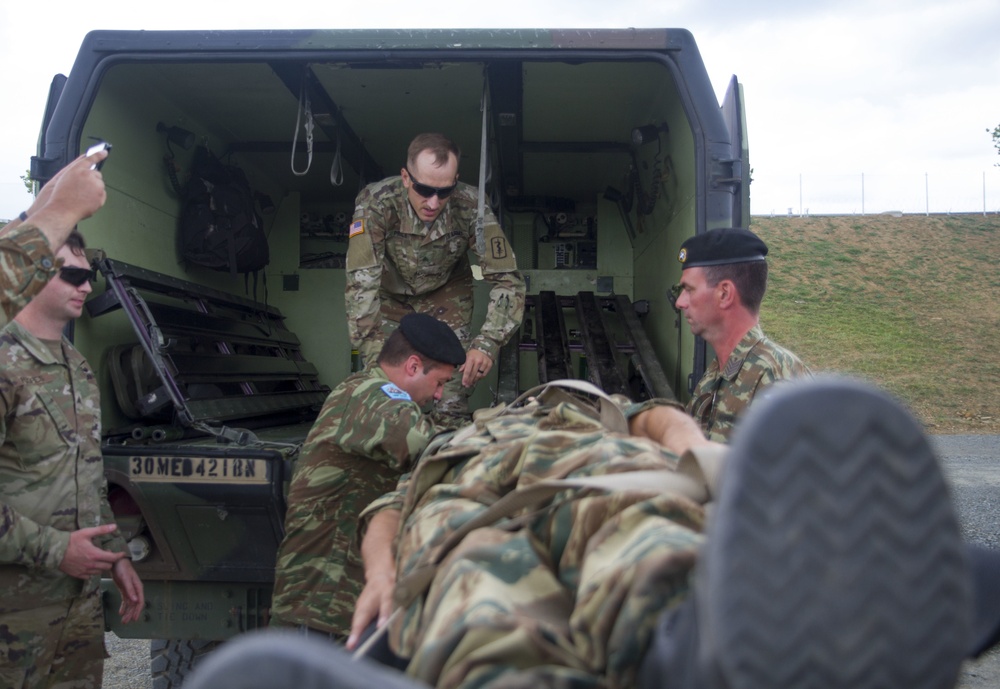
point(310, 125)
point(337, 169)
point(481, 208)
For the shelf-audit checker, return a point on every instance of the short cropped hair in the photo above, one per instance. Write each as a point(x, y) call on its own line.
point(75, 243)
point(398, 349)
point(749, 277)
point(438, 144)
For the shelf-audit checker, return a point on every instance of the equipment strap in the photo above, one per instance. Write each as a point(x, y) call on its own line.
point(337, 168)
point(696, 478)
point(304, 106)
point(481, 204)
point(419, 580)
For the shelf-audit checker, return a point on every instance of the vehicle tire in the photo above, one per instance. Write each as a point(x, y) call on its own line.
point(172, 660)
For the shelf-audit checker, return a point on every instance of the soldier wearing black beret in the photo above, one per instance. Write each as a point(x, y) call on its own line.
point(723, 280)
point(432, 338)
point(721, 247)
point(370, 431)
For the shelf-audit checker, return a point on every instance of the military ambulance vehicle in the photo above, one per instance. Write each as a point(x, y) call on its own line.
point(218, 324)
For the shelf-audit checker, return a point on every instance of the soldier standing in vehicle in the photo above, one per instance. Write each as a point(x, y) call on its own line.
point(367, 435)
point(57, 535)
point(408, 252)
point(722, 284)
point(28, 243)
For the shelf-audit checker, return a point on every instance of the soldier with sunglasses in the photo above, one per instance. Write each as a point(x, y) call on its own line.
point(57, 535)
point(723, 281)
point(408, 252)
point(28, 243)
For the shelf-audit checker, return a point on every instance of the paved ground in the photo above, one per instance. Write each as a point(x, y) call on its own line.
point(972, 464)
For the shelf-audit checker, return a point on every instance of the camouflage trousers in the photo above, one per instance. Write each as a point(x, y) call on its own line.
point(54, 647)
point(569, 599)
point(451, 304)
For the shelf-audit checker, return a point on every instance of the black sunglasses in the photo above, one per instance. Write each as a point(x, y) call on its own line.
point(77, 276)
point(428, 191)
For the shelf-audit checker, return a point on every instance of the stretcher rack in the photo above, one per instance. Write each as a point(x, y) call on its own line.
point(217, 357)
point(612, 349)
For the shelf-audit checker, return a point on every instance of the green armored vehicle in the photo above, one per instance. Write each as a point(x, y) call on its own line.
point(599, 151)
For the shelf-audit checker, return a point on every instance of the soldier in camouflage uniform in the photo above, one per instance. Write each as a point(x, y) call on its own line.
point(722, 284)
point(369, 432)
point(832, 557)
point(56, 531)
point(408, 252)
point(28, 242)
point(572, 560)
point(573, 591)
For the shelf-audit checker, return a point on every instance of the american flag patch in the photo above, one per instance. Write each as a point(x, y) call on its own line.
point(357, 227)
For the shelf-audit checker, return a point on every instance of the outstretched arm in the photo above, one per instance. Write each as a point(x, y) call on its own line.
point(670, 427)
point(76, 192)
point(378, 553)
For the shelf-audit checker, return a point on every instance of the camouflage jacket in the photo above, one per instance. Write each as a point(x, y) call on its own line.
point(26, 264)
point(461, 474)
point(367, 434)
point(51, 469)
point(721, 396)
point(392, 252)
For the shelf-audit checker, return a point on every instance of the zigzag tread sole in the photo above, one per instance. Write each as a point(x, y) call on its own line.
point(842, 512)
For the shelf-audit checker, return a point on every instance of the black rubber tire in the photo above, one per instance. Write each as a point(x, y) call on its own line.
point(172, 660)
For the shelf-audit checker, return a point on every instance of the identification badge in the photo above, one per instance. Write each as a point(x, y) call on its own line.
point(357, 227)
point(395, 393)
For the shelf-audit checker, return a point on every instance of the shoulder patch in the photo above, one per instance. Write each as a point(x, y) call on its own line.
point(357, 227)
point(395, 393)
point(498, 245)
point(498, 256)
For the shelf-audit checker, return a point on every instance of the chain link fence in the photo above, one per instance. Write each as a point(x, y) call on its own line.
point(861, 193)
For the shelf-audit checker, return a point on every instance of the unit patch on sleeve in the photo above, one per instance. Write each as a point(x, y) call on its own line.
point(395, 393)
point(499, 246)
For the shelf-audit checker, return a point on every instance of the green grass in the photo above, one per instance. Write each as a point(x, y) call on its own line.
point(911, 304)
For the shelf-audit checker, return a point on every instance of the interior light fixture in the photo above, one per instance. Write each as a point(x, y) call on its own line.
point(647, 133)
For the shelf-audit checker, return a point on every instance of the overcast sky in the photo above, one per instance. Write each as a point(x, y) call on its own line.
point(852, 105)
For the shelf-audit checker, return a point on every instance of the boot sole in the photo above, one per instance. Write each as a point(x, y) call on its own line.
point(834, 557)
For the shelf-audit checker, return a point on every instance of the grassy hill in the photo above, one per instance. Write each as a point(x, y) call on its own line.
point(911, 303)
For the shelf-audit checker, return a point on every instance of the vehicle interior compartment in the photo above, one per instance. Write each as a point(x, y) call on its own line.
point(581, 161)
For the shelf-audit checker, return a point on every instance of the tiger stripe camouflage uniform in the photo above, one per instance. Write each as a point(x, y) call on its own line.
point(568, 598)
point(396, 265)
point(26, 264)
point(721, 397)
point(51, 483)
point(367, 434)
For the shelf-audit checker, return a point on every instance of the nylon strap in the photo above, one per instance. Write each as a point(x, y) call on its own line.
point(481, 203)
point(610, 416)
point(310, 124)
point(417, 582)
point(337, 168)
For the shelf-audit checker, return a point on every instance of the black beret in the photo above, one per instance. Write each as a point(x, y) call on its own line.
point(432, 338)
point(718, 247)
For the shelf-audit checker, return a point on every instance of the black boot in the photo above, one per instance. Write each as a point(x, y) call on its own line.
point(285, 660)
point(986, 581)
point(833, 557)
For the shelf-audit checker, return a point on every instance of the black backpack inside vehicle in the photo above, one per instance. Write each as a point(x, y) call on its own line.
point(219, 226)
